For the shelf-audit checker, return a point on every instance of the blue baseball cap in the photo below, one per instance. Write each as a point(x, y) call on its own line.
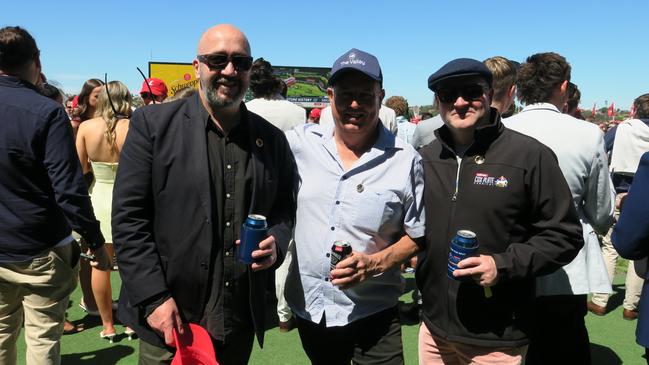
point(356, 60)
point(457, 68)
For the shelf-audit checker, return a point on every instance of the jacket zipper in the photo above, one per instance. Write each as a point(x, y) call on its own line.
point(451, 297)
point(457, 178)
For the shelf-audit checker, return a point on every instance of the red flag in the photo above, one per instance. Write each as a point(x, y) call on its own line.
point(594, 111)
point(611, 109)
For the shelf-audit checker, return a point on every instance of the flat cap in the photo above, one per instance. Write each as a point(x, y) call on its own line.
point(356, 60)
point(460, 67)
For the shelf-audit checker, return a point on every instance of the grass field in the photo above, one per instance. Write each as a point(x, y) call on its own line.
point(612, 340)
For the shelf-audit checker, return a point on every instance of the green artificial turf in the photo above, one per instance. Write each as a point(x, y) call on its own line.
point(612, 339)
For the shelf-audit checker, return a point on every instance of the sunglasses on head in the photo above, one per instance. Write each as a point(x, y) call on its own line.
point(468, 93)
point(219, 61)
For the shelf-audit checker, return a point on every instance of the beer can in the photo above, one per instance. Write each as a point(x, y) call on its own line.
point(253, 230)
point(339, 251)
point(463, 245)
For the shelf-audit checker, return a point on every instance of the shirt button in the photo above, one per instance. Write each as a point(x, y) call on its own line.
point(229, 167)
point(227, 224)
point(337, 202)
point(227, 253)
point(326, 279)
point(328, 254)
point(227, 283)
point(204, 265)
point(332, 228)
point(227, 195)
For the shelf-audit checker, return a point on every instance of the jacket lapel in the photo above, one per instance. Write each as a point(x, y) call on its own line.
point(200, 171)
point(257, 145)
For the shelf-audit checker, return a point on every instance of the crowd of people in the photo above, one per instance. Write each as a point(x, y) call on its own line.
point(93, 184)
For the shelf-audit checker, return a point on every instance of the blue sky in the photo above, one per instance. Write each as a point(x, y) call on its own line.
point(605, 42)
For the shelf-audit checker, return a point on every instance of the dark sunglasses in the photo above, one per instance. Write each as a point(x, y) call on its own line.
point(145, 95)
point(219, 61)
point(468, 93)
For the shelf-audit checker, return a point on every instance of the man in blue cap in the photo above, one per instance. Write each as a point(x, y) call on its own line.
point(361, 185)
point(507, 189)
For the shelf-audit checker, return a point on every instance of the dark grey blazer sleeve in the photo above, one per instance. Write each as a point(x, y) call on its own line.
point(139, 262)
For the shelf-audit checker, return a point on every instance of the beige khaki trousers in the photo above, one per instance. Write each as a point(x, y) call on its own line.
point(633, 282)
point(37, 292)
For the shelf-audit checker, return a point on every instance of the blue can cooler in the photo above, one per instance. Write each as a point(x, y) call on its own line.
point(253, 231)
point(463, 245)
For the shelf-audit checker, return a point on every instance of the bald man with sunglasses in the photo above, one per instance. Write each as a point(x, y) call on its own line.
point(190, 173)
point(508, 189)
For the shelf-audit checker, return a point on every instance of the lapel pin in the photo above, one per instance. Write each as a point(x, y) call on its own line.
point(479, 159)
point(360, 188)
point(259, 142)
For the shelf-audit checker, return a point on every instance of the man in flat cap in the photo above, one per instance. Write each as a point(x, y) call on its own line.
point(361, 185)
point(508, 190)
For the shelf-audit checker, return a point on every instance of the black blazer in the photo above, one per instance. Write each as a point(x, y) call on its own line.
point(162, 213)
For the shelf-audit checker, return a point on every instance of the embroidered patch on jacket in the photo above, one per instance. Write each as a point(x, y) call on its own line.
point(486, 180)
point(502, 182)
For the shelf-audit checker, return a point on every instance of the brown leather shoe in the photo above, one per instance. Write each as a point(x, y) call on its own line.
point(287, 326)
point(629, 315)
point(595, 309)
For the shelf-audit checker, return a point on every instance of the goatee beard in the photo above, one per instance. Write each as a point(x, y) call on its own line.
point(214, 100)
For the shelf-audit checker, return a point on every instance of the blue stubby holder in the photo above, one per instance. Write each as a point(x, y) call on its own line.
point(253, 231)
point(463, 245)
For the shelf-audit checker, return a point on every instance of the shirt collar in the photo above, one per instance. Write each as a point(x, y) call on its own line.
point(13, 81)
point(206, 118)
point(541, 106)
point(402, 119)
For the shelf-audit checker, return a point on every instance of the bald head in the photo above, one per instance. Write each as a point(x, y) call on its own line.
point(223, 34)
point(224, 69)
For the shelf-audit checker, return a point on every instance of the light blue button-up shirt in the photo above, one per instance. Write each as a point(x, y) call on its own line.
point(372, 205)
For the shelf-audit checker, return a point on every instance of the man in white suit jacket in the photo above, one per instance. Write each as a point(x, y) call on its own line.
point(560, 334)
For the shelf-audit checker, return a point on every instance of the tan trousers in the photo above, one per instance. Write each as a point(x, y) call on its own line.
point(437, 351)
point(633, 282)
point(283, 310)
point(38, 292)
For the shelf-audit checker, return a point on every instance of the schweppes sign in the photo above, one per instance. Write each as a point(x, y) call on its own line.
point(176, 76)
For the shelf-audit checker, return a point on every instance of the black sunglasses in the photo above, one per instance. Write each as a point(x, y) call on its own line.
point(219, 61)
point(468, 93)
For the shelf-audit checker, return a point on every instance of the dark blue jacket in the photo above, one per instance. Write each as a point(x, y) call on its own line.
point(631, 237)
point(42, 192)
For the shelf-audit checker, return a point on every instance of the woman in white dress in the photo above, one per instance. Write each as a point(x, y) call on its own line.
point(99, 143)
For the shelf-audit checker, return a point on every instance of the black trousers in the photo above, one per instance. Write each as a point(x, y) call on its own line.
point(559, 334)
point(372, 340)
point(234, 351)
